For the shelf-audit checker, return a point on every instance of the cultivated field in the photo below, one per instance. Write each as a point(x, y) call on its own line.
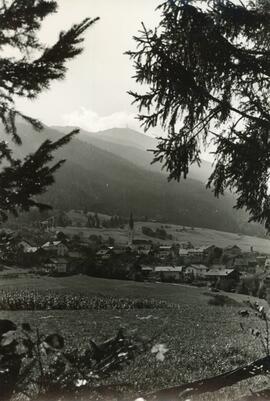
point(197, 236)
point(202, 339)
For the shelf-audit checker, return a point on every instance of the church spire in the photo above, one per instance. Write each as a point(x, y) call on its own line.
point(130, 229)
point(131, 222)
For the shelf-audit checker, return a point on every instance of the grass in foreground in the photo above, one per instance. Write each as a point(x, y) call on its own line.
point(202, 339)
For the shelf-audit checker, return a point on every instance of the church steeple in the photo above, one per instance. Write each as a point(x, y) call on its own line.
point(130, 229)
point(131, 222)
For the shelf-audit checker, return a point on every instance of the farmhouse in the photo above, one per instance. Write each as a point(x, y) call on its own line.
point(224, 279)
point(26, 247)
point(232, 251)
point(169, 273)
point(196, 255)
point(196, 271)
point(184, 256)
point(104, 254)
point(56, 247)
point(165, 251)
point(245, 263)
point(260, 259)
point(57, 265)
point(142, 246)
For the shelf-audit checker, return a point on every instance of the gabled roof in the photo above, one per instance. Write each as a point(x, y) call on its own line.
point(220, 273)
point(206, 247)
point(199, 267)
point(160, 269)
point(51, 243)
point(102, 252)
point(195, 250)
point(229, 247)
point(32, 249)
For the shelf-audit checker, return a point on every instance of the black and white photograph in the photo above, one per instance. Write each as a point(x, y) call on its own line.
point(134, 200)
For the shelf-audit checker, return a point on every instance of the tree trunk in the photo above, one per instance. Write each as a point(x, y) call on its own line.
point(212, 384)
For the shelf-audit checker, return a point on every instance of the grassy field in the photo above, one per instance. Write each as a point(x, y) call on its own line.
point(202, 339)
point(197, 236)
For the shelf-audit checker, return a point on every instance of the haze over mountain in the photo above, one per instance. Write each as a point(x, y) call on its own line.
point(110, 172)
point(135, 147)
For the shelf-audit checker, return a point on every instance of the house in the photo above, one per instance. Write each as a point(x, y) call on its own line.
point(196, 271)
point(169, 273)
point(141, 246)
point(138, 272)
point(223, 278)
point(26, 247)
point(260, 259)
point(196, 255)
point(56, 247)
point(57, 265)
point(146, 271)
point(165, 251)
point(211, 253)
point(232, 251)
point(120, 250)
point(240, 264)
point(104, 254)
point(183, 256)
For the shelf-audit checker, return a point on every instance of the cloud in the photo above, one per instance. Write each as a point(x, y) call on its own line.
point(92, 121)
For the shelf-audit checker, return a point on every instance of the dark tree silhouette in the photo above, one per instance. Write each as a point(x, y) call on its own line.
point(207, 69)
point(26, 75)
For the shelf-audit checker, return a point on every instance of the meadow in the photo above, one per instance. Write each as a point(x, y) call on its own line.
point(202, 339)
point(197, 236)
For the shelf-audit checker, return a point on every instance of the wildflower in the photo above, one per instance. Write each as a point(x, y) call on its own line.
point(160, 351)
point(80, 382)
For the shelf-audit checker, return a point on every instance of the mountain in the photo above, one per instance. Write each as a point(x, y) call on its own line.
point(134, 147)
point(99, 176)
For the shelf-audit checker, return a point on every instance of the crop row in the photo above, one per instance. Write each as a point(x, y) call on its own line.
point(47, 300)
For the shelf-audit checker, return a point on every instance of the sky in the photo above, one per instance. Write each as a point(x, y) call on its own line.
point(94, 92)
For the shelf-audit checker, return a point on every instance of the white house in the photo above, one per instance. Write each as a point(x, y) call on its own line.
point(196, 271)
point(165, 251)
point(57, 247)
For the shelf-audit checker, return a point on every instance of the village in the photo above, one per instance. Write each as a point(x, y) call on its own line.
point(61, 253)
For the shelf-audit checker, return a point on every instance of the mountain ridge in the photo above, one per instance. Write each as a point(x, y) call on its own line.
point(97, 179)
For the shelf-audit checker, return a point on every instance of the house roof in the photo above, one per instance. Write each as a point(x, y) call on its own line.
point(160, 269)
point(147, 268)
point(199, 267)
point(31, 249)
point(58, 260)
point(196, 250)
point(219, 273)
point(229, 247)
point(141, 241)
point(240, 262)
point(103, 252)
point(51, 243)
point(204, 248)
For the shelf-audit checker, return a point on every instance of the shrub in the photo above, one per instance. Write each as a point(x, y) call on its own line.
point(221, 300)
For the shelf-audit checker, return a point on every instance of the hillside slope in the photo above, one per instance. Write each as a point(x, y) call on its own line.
point(94, 178)
point(134, 147)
